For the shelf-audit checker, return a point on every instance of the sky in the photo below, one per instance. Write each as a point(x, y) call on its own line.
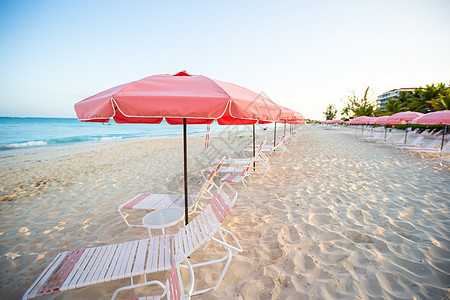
point(301, 54)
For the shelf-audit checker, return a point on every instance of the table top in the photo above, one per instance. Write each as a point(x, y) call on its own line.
point(162, 218)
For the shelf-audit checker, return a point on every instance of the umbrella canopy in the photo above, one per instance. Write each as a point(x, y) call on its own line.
point(380, 121)
point(179, 99)
point(372, 121)
point(403, 117)
point(199, 99)
point(441, 117)
point(287, 114)
point(360, 120)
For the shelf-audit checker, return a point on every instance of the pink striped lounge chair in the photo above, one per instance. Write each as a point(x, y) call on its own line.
point(86, 267)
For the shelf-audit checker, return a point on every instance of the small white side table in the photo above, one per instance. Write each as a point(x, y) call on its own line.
point(162, 218)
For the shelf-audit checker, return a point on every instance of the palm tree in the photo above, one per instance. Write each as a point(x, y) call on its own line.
point(423, 98)
point(443, 101)
point(394, 106)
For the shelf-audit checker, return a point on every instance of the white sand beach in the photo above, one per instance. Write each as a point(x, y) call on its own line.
point(334, 218)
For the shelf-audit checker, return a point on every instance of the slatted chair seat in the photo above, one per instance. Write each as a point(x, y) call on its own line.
point(80, 268)
point(235, 178)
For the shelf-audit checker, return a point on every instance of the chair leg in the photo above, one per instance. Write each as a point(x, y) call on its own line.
point(227, 264)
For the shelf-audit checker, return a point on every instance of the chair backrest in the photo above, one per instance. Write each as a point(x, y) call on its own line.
point(203, 227)
point(425, 133)
point(434, 143)
point(436, 133)
point(206, 187)
point(214, 172)
point(261, 146)
point(418, 140)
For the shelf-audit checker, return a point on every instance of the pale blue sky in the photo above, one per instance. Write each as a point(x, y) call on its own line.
point(302, 54)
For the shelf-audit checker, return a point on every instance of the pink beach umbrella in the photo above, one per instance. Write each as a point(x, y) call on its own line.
point(403, 117)
point(441, 117)
point(359, 120)
point(372, 121)
point(179, 99)
point(381, 121)
point(364, 120)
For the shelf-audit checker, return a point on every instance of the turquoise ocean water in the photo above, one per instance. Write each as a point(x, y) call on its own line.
point(18, 134)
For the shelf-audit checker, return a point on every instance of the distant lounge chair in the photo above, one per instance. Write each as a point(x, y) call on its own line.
point(243, 178)
point(173, 288)
point(243, 173)
point(161, 201)
point(418, 141)
point(259, 156)
point(434, 153)
point(444, 160)
point(432, 145)
point(279, 148)
point(90, 266)
point(372, 137)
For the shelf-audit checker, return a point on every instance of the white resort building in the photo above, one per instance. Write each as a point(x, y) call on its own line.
point(383, 98)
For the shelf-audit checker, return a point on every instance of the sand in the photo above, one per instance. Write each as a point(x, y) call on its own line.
point(335, 217)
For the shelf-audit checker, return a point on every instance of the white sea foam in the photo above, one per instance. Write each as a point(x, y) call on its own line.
point(27, 144)
point(110, 138)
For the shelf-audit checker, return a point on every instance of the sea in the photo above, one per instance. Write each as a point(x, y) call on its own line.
point(21, 134)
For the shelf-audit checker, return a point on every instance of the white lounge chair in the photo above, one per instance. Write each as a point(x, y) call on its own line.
point(444, 160)
point(259, 156)
point(418, 141)
point(432, 145)
point(161, 201)
point(90, 266)
point(434, 153)
point(253, 168)
point(372, 137)
point(173, 288)
point(279, 148)
point(243, 178)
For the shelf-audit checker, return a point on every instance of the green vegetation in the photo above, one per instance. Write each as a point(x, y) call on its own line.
point(330, 112)
point(355, 106)
point(423, 99)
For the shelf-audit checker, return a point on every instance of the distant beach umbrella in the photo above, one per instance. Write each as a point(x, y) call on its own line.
point(179, 99)
point(441, 117)
point(372, 121)
point(403, 117)
point(381, 121)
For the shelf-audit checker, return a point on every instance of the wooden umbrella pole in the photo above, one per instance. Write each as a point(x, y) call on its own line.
point(186, 203)
point(275, 134)
point(254, 146)
point(443, 136)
